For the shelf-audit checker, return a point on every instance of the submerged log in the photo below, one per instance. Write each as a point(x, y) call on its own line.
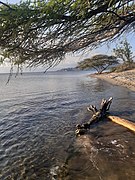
point(99, 115)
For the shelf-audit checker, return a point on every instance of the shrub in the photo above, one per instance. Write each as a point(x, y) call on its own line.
point(123, 67)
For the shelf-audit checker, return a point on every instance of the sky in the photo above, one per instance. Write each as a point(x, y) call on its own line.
point(72, 60)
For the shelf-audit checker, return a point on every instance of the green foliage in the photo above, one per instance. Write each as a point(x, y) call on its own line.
point(98, 62)
point(124, 52)
point(42, 32)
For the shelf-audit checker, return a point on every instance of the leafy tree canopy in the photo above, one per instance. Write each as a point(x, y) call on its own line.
point(41, 32)
point(124, 52)
point(98, 62)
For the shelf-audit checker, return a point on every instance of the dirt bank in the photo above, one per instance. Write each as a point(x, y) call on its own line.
point(126, 78)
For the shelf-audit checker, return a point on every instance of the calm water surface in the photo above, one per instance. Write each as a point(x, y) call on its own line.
point(38, 114)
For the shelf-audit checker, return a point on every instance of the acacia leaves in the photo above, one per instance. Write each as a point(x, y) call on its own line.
point(43, 32)
point(98, 62)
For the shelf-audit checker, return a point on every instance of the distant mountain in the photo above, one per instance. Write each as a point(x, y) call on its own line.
point(68, 69)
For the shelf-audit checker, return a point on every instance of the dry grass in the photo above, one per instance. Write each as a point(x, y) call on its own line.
point(123, 67)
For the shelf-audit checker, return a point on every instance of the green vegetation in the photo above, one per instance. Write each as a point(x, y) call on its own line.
point(125, 54)
point(43, 32)
point(98, 62)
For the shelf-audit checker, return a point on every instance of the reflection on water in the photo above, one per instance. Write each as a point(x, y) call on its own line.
point(38, 114)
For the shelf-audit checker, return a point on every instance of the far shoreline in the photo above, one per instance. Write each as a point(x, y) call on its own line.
point(125, 78)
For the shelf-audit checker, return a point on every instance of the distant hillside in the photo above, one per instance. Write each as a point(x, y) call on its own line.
point(69, 69)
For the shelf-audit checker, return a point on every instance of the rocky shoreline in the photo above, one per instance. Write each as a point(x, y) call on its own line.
point(126, 78)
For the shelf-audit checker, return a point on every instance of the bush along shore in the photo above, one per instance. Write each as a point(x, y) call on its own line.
point(125, 78)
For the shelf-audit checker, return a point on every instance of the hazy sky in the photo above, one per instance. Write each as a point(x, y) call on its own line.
point(11, 1)
point(71, 60)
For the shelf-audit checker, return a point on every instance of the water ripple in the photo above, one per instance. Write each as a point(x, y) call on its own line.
point(37, 122)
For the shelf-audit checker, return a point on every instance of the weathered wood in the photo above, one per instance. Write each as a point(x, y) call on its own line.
point(99, 115)
point(128, 124)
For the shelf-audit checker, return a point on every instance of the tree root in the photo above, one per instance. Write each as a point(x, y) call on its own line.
point(97, 116)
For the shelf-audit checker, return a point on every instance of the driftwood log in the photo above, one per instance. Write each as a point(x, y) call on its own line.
point(99, 115)
point(128, 124)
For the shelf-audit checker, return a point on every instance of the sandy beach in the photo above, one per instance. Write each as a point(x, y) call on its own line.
point(126, 78)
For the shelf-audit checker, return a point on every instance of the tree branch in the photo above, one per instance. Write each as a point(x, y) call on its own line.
point(8, 6)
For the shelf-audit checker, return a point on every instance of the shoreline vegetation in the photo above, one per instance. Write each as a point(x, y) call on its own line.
point(125, 78)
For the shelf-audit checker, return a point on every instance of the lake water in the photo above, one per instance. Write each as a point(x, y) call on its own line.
point(38, 115)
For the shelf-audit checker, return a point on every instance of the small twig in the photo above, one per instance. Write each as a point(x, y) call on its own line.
point(10, 74)
point(92, 108)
